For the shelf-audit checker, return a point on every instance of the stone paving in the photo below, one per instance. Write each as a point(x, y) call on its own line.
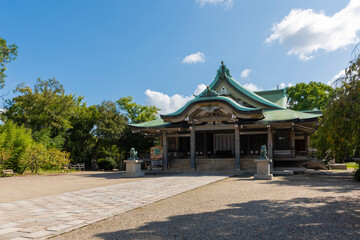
point(40, 218)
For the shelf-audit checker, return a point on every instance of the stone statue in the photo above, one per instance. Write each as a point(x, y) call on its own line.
point(263, 152)
point(133, 154)
point(263, 166)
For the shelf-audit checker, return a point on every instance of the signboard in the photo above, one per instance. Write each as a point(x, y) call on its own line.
point(156, 153)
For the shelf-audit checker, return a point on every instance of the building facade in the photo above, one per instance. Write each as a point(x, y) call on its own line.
point(224, 127)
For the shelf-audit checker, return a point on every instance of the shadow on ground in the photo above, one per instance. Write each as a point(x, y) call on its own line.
point(323, 183)
point(300, 218)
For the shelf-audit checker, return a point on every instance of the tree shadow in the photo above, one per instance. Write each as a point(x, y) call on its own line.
point(299, 218)
point(323, 183)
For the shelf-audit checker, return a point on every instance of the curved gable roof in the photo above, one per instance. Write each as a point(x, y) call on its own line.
point(223, 75)
point(211, 98)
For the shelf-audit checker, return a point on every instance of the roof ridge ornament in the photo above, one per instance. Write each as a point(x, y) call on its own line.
point(208, 93)
point(223, 72)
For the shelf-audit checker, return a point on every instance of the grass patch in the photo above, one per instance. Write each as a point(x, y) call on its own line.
point(54, 171)
point(352, 165)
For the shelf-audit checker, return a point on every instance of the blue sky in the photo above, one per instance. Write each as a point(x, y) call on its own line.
point(160, 52)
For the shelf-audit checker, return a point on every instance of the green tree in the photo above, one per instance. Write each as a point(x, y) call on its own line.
point(136, 114)
point(108, 129)
point(44, 108)
point(34, 158)
point(339, 130)
point(5, 155)
point(80, 139)
point(16, 140)
point(8, 54)
point(313, 95)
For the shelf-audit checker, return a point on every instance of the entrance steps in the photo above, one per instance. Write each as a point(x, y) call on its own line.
point(215, 164)
point(204, 164)
point(179, 164)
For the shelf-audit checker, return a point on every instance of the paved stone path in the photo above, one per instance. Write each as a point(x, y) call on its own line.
point(40, 218)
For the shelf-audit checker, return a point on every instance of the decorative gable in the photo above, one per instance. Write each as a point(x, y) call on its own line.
point(225, 85)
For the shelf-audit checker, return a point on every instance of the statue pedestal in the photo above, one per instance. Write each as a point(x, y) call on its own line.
point(263, 169)
point(133, 168)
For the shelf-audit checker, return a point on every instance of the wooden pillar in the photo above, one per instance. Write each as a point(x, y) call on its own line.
point(214, 144)
point(237, 147)
point(205, 145)
point(161, 140)
point(293, 141)
point(192, 148)
point(307, 142)
point(165, 149)
point(270, 146)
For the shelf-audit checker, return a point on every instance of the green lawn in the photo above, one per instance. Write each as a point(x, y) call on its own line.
point(352, 165)
point(44, 172)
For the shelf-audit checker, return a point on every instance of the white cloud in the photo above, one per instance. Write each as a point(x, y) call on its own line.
point(284, 85)
point(306, 31)
point(199, 89)
point(194, 58)
point(245, 73)
point(169, 104)
point(341, 74)
point(226, 3)
point(252, 87)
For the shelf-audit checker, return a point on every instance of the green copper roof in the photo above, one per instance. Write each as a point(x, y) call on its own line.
point(155, 123)
point(277, 96)
point(286, 115)
point(271, 115)
point(203, 98)
point(223, 74)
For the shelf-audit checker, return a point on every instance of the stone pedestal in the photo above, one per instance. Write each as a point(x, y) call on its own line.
point(133, 168)
point(263, 169)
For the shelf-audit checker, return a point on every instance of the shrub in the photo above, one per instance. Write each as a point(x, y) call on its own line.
point(357, 173)
point(15, 140)
point(106, 163)
point(38, 157)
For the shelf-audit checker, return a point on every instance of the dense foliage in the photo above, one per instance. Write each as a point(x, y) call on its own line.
point(8, 54)
point(106, 163)
point(51, 120)
point(19, 151)
point(339, 132)
point(313, 95)
point(357, 174)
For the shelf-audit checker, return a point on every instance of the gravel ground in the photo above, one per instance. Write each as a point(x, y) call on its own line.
point(292, 207)
point(33, 186)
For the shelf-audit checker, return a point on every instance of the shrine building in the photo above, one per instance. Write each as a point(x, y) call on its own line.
point(224, 127)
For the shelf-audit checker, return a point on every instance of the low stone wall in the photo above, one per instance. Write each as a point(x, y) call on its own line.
point(247, 164)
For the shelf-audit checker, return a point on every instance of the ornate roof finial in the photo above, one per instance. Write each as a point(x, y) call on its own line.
point(222, 62)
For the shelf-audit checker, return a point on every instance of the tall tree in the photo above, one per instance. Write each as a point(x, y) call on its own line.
point(8, 54)
point(136, 114)
point(80, 139)
point(46, 106)
point(313, 95)
point(339, 130)
point(108, 130)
